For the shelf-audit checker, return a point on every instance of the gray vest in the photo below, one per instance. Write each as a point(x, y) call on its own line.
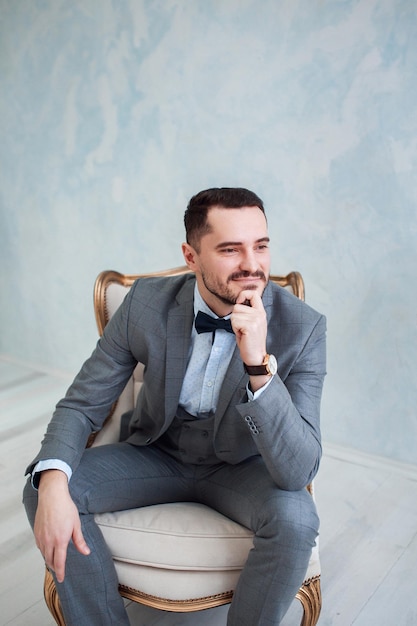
point(189, 439)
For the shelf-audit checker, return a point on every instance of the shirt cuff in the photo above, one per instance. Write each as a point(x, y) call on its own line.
point(253, 395)
point(48, 465)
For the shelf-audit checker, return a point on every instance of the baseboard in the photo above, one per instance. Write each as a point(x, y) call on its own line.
point(57, 373)
point(357, 457)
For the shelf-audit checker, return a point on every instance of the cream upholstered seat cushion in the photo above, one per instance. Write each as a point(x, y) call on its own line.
point(179, 550)
point(176, 550)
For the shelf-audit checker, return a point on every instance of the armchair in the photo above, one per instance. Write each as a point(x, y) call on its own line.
point(181, 556)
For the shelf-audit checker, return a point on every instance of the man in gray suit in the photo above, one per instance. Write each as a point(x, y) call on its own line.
point(228, 415)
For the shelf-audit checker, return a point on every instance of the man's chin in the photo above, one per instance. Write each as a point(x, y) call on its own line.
point(252, 287)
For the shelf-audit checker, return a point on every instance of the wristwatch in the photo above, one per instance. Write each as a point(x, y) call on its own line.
point(268, 368)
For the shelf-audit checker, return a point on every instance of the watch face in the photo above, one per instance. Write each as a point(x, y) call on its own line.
point(272, 364)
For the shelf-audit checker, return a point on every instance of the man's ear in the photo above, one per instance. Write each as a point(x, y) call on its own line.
point(190, 256)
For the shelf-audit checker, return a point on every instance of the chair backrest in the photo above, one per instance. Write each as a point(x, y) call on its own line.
point(110, 289)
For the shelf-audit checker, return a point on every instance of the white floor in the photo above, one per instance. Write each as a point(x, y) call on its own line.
point(368, 541)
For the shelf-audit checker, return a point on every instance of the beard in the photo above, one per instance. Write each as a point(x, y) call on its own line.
point(224, 292)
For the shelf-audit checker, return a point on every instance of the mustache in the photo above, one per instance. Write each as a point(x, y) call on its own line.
point(246, 274)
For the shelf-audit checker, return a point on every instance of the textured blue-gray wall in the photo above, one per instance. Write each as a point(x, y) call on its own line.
point(113, 114)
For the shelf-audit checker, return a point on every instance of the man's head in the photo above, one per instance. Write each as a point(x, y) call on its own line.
point(195, 217)
point(227, 245)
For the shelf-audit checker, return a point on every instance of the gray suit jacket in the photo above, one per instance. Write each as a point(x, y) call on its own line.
point(153, 326)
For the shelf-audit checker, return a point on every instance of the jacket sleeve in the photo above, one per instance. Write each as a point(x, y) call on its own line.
point(89, 399)
point(285, 419)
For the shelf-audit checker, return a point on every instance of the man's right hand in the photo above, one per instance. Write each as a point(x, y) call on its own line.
point(57, 522)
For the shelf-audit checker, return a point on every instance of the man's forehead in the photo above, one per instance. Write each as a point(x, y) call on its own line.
point(220, 214)
point(236, 226)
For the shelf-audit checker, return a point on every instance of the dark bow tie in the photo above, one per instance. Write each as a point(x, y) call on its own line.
point(207, 324)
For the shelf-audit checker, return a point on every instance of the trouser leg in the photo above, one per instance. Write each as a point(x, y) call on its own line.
point(89, 593)
point(109, 478)
point(285, 525)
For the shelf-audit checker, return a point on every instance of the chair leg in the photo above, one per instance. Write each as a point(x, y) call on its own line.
point(310, 597)
point(52, 599)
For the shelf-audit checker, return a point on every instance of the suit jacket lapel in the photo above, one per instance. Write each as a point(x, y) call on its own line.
point(267, 301)
point(179, 323)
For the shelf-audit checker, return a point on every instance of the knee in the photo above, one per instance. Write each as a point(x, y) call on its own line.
point(30, 501)
point(290, 518)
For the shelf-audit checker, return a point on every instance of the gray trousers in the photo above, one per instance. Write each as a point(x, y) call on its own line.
point(121, 476)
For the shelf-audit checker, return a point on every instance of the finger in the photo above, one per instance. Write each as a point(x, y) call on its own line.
point(250, 297)
point(58, 563)
point(42, 551)
point(79, 541)
point(48, 557)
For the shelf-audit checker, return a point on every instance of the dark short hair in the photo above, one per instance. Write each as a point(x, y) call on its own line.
point(195, 217)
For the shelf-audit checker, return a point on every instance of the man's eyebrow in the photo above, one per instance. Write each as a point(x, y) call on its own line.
point(226, 244)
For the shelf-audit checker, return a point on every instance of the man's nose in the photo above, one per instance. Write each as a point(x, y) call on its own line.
point(249, 262)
